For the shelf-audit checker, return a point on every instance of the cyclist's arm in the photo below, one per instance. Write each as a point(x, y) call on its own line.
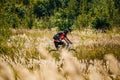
point(67, 40)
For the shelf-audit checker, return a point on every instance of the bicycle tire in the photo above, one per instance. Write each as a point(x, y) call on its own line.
point(72, 50)
point(52, 50)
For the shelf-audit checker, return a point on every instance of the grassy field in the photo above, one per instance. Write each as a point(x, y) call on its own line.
point(24, 56)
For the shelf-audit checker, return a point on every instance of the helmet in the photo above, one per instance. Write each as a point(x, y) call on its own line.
point(66, 31)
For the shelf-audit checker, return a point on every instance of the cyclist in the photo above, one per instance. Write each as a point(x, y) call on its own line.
point(59, 37)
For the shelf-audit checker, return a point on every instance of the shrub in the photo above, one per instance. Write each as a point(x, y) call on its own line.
point(4, 34)
point(101, 23)
point(20, 11)
point(82, 21)
point(39, 9)
point(61, 20)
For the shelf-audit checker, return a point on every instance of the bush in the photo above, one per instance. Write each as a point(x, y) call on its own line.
point(82, 21)
point(40, 24)
point(61, 20)
point(20, 11)
point(5, 33)
point(101, 23)
point(39, 9)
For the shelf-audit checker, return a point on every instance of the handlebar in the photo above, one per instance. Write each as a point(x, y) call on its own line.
point(68, 44)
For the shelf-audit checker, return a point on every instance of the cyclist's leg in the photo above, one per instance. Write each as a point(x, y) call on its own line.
point(56, 45)
point(62, 43)
point(59, 43)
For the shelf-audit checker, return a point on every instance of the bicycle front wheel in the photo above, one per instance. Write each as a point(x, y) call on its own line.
point(72, 51)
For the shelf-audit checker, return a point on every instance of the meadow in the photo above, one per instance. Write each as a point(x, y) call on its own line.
point(24, 56)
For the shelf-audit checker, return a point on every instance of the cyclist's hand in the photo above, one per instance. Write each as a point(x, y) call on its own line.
point(70, 42)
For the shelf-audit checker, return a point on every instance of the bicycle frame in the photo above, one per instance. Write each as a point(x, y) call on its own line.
point(67, 46)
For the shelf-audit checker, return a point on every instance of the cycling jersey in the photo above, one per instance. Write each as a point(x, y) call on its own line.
point(59, 36)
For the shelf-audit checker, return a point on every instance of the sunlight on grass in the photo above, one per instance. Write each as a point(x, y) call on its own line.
point(25, 56)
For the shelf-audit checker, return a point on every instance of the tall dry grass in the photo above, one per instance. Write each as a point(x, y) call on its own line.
point(26, 57)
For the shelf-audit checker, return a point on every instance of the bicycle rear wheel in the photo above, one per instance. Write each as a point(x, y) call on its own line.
point(52, 50)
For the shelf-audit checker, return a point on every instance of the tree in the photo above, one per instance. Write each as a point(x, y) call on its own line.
point(39, 9)
point(73, 9)
point(117, 4)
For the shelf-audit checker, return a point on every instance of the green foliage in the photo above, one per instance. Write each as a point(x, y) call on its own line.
point(117, 4)
point(26, 2)
point(4, 34)
point(61, 20)
point(82, 21)
point(101, 23)
point(39, 9)
point(20, 11)
point(41, 24)
point(30, 23)
point(73, 9)
point(65, 13)
point(45, 7)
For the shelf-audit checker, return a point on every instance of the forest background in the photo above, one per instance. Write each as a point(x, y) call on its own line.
point(47, 14)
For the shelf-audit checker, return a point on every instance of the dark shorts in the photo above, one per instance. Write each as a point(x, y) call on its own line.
point(58, 43)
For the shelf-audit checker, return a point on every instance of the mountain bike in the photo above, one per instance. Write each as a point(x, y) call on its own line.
point(67, 47)
point(57, 53)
